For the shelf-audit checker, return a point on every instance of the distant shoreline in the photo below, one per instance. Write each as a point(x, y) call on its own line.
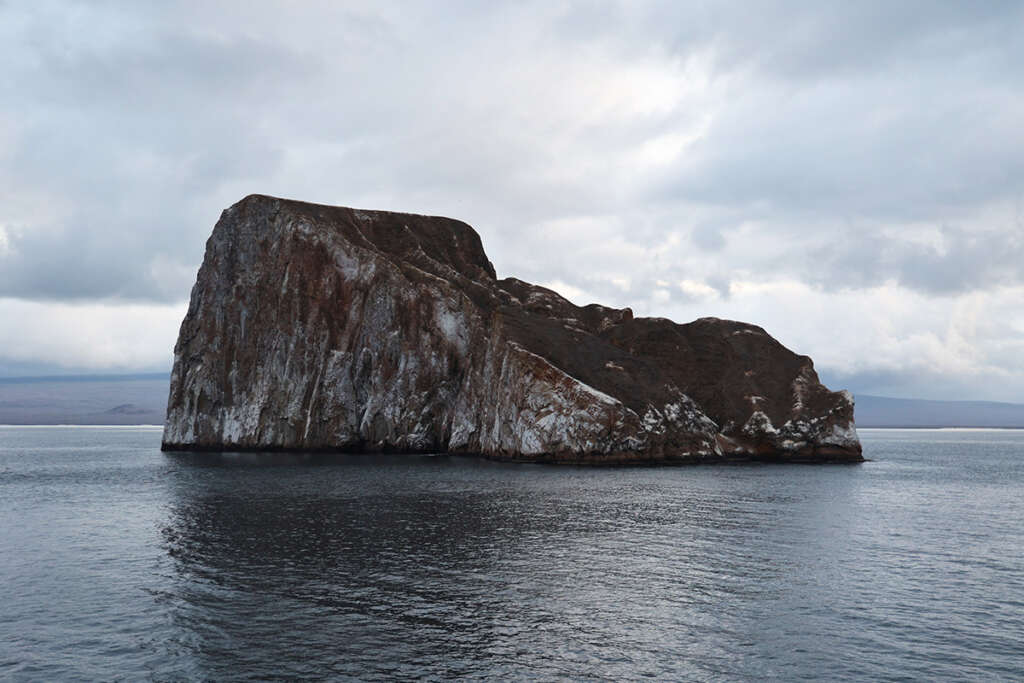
point(859, 428)
point(141, 399)
point(81, 426)
point(940, 428)
point(46, 379)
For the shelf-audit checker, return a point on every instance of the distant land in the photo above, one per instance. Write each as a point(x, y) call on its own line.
point(879, 411)
point(142, 399)
point(84, 399)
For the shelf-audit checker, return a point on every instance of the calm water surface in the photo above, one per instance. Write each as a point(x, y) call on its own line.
point(120, 562)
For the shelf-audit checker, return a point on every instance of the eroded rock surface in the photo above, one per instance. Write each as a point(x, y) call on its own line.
point(317, 327)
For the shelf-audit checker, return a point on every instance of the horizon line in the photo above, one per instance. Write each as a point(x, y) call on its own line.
point(95, 377)
point(138, 376)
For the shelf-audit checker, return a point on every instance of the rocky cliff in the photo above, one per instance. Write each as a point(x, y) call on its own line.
point(318, 327)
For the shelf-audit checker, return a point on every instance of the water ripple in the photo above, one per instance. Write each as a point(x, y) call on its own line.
point(119, 562)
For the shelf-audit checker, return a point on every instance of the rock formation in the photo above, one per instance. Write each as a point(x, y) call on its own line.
point(315, 327)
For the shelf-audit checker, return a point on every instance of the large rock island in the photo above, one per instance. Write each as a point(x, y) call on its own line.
point(316, 327)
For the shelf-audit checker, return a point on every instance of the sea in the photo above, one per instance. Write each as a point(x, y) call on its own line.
point(121, 562)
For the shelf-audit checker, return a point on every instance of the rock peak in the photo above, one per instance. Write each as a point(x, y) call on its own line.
point(399, 235)
point(322, 327)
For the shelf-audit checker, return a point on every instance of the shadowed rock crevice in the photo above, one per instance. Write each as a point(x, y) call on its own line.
point(325, 328)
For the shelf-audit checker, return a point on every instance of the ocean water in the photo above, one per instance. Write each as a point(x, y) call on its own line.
point(118, 561)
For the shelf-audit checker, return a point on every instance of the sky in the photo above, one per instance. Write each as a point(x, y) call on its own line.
point(850, 176)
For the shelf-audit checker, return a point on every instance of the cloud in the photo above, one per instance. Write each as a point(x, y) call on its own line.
point(773, 160)
point(101, 336)
point(129, 135)
point(885, 340)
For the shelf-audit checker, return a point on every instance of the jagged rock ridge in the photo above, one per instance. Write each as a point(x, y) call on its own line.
point(318, 327)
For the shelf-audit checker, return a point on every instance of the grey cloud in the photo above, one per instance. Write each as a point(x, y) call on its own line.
point(129, 145)
point(904, 111)
point(708, 236)
point(965, 261)
point(916, 383)
point(720, 284)
point(815, 140)
point(808, 41)
point(149, 126)
point(858, 152)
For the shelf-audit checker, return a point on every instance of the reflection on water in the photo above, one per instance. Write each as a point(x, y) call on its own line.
point(473, 568)
point(350, 561)
point(255, 566)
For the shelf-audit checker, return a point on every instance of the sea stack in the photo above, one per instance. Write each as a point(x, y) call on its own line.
point(327, 328)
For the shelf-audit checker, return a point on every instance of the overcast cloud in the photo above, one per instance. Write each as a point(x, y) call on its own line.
point(848, 175)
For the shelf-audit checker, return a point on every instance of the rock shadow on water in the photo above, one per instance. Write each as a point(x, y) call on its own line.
point(387, 565)
point(319, 553)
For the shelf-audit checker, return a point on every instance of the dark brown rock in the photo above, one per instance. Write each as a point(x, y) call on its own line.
point(317, 327)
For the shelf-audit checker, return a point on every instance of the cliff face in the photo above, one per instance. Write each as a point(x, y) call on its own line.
point(316, 327)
